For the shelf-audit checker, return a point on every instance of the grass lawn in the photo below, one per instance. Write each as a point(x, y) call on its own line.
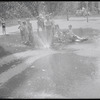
point(12, 44)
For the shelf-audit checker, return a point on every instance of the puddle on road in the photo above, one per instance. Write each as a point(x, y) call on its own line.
point(66, 76)
point(85, 49)
point(69, 71)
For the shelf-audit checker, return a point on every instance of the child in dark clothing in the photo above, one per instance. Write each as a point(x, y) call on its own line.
point(3, 27)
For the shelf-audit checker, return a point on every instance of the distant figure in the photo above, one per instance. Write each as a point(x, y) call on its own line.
point(72, 36)
point(83, 8)
point(30, 30)
point(3, 27)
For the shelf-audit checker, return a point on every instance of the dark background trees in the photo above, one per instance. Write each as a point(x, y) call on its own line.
point(11, 10)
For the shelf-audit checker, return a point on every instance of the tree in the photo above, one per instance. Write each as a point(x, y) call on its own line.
point(87, 10)
point(9, 10)
point(32, 6)
point(52, 6)
point(67, 8)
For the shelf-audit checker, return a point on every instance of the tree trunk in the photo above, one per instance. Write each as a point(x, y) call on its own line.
point(87, 17)
point(87, 11)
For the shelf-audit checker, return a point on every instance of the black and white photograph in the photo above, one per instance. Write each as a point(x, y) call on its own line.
point(49, 49)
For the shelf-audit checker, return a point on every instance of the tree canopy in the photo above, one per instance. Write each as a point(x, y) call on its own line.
point(12, 9)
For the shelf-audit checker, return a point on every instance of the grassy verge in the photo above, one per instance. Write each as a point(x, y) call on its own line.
point(12, 44)
point(13, 22)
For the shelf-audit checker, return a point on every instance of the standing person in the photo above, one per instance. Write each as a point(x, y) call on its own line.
point(30, 30)
point(21, 31)
point(48, 28)
point(3, 27)
point(58, 33)
point(40, 22)
point(26, 32)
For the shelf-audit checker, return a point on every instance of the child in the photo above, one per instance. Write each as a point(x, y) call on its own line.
point(21, 30)
point(48, 27)
point(72, 36)
point(26, 32)
point(58, 33)
point(3, 27)
point(30, 30)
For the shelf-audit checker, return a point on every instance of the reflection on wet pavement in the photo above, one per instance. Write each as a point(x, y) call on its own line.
point(56, 76)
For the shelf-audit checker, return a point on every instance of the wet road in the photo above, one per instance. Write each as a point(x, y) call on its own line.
point(73, 73)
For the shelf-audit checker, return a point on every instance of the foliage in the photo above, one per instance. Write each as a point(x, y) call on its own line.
point(23, 9)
